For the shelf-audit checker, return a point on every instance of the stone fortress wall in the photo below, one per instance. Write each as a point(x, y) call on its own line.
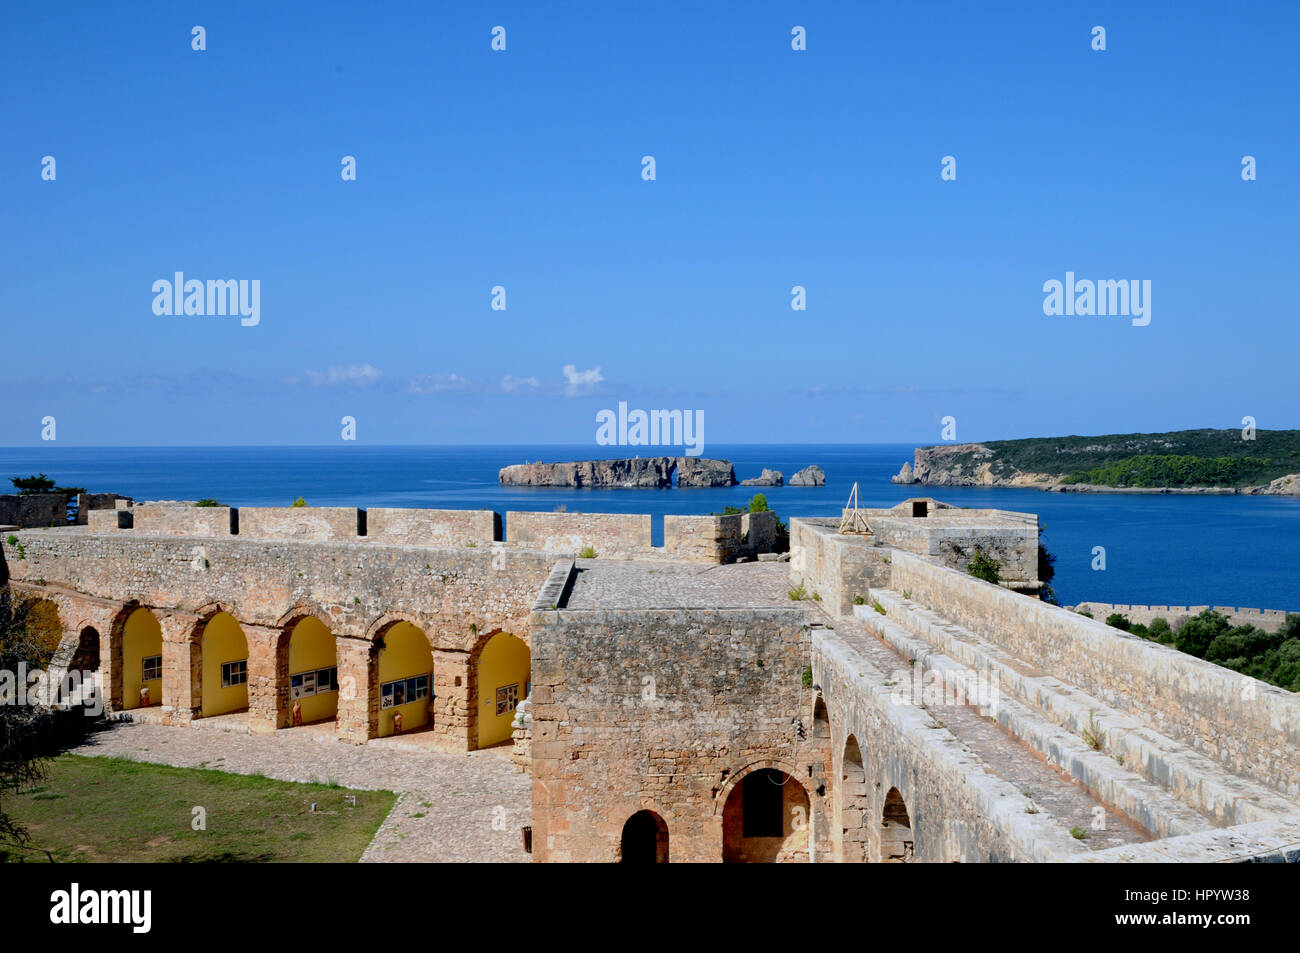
point(670, 685)
point(1269, 620)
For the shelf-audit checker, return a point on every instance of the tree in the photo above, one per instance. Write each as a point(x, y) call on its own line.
point(1046, 571)
point(22, 761)
point(33, 484)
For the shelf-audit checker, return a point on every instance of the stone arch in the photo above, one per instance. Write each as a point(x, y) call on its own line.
point(301, 611)
point(223, 662)
point(644, 839)
point(854, 804)
point(139, 646)
point(306, 672)
point(85, 657)
point(402, 681)
point(821, 721)
point(897, 845)
point(380, 626)
point(500, 677)
point(765, 827)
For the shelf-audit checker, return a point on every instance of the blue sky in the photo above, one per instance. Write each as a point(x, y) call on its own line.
point(522, 168)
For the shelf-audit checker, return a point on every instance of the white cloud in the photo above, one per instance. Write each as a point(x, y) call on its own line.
point(360, 375)
point(437, 383)
point(511, 384)
point(580, 381)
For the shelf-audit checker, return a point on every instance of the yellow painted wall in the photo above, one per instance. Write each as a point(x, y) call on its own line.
point(223, 641)
point(311, 647)
point(503, 661)
point(405, 653)
point(141, 637)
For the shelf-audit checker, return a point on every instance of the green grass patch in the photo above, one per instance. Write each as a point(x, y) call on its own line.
point(115, 809)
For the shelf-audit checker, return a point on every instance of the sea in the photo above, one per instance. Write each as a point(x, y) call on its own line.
point(1158, 549)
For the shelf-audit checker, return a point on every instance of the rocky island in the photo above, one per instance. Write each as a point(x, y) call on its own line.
point(653, 473)
point(1187, 461)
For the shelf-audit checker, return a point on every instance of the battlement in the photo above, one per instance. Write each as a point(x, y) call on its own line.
point(715, 539)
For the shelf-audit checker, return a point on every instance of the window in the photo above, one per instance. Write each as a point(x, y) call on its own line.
point(764, 803)
point(319, 682)
point(234, 673)
point(151, 669)
point(401, 692)
point(507, 699)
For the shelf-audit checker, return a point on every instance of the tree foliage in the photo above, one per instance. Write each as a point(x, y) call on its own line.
point(1272, 657)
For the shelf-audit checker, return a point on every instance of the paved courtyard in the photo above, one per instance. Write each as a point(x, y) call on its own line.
point(451, 807)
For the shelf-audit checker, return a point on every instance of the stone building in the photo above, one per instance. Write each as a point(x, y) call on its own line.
point(704, 700)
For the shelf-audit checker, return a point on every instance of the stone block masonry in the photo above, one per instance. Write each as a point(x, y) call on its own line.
point(443, 528)
point(33, 509)
point(302, 522)
point(661, 710)
point(608, 534)
point(179, 520)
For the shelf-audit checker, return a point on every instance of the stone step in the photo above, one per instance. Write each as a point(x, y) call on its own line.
point(1121, 792)
point(1062, 714)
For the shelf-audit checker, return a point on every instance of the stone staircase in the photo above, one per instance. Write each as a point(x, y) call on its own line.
point(1149, 779)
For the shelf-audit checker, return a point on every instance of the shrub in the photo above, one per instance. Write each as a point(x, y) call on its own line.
point(206, 501)
point(807, 677)
point(798, 593)
point(982, 567)
point(587, 552)
point(1118, 620)
point(298, 502)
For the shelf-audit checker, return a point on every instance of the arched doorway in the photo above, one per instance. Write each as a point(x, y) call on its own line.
point(896, 843)
point(313, 672)
point(765, 819)
point(645, 839)
point(854, 806)
point(503, 678)
point(405, 677)
point(142, 670)
point(86, 657)
point(224, 652)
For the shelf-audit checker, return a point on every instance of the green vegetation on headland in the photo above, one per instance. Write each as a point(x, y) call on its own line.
point(1272, 657)
point(1150, 470)
point(1182, 459)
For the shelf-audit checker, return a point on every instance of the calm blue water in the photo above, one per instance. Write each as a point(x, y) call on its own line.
point(1159, 549)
